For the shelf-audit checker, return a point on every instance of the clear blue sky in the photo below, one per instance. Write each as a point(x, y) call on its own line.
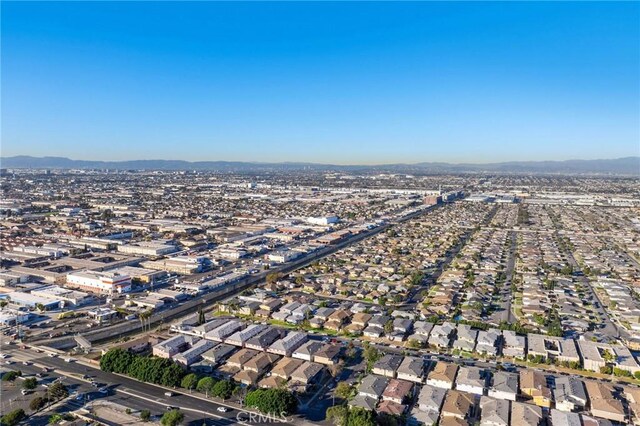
point(321, 82)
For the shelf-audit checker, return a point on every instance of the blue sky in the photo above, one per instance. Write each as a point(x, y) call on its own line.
point(323, 82)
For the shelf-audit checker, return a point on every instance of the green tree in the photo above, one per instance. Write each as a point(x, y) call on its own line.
point(201, 317)
point(272, 401)
point(37, 403)
point(10, 376)
point(223, 389)
point(344, 390)
point(415, 344)
point(606, 369)
point(145, 415)
point(13, 417)
point(57, 391)
point(205, 384)
point(30, 383)
point(608, 356)
point(189, 381)
point(360, 417)
point(116, 360)
point(55, 419)
point(273, 277)
point(416, 278)
point(338, 415)
point(172, 418)
point(371, 356)
point(171, 375)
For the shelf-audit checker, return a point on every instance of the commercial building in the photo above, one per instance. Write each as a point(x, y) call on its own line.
point(150, 248)
point(100, 282)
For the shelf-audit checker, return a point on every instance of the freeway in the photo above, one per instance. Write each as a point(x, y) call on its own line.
point(122, 329)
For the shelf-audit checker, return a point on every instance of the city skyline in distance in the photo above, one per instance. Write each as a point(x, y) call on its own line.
point(333, 83)
point(615, 166)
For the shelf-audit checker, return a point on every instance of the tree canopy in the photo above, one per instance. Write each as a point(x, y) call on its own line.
point(273, 401)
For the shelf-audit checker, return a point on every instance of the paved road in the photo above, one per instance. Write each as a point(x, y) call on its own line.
point(610, 328)
point(506, 313)
point(137, 394)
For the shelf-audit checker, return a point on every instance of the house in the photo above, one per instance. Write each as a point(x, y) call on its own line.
point(402, 325)
point(239, 338)
point(594, 421)
point(246, 377)
point(632, 395)
point(285, 367)
point(596, 355)
point(569, 394)
point(458, 405)
point(387, 365)
point(373, 386)
point(525, 414)
point(307, 350)
point(173, 346)
point(553, 348)
point(286, 345)
point(272, 382)
point(471, 380)
point(260, 363)
point(361, 319)
point(411, 369)
point(324, 313)
point(337, 319)
point(328, 354)
point(488, 342)
point(364, 401)
point(397, 391)
point(422, 328)
point(379, 320)
point(443, 375)
point(563, 418)
point(373, 331)
point(203, 329)
point(514, 345)
point(441, 335)
point(241, 357)
point(466, 338)
point(194, 353)
point(218, 353)
point(307, 373)
point(290, 307)
point(392, 408)
point(263, 340)
point(427, 409)
point(603, 401)
point(452, 421)
point(534, 384)
point(504, 386)
point(494, 412)
point(431, 398)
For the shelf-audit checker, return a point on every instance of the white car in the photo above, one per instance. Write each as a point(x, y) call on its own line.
point(223, 409)
point(3, 356)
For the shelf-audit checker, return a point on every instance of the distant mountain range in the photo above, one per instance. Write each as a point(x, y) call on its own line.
point(618, 166)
